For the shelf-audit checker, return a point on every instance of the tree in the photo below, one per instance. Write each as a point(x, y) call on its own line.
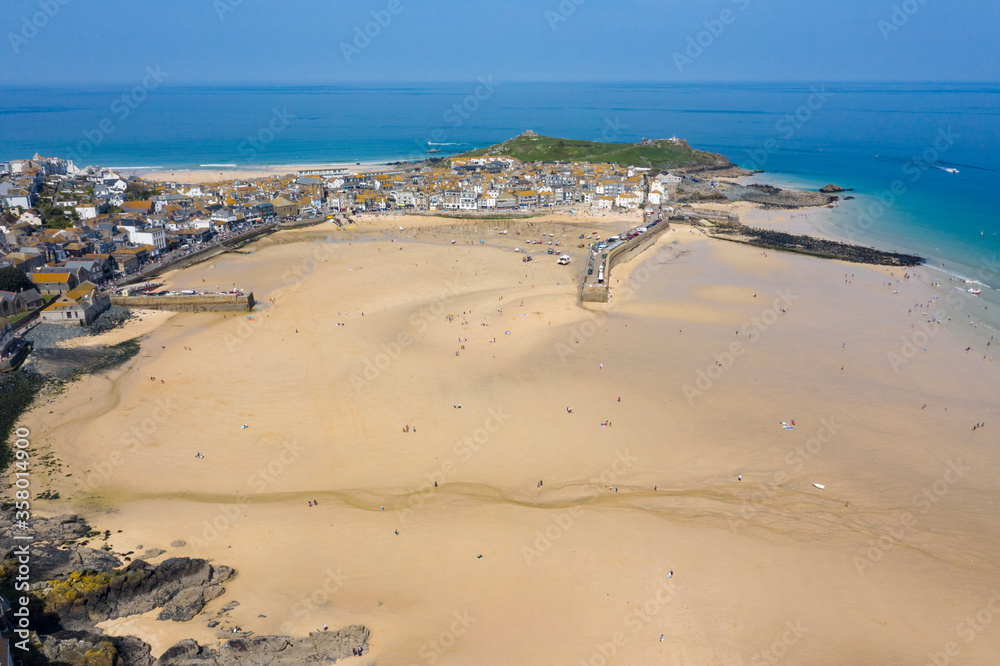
point(14, 279)
point(58, 223)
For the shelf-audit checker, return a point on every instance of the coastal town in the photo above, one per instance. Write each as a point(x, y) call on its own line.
point(80, 234)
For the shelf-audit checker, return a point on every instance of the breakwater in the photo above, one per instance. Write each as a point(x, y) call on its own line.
point(189, 302)
point(596, 286)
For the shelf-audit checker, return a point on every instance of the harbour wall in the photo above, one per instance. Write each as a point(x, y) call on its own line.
point(189, 303)
point(593, 292)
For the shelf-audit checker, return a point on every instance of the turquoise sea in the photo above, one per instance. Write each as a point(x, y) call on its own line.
point(892, 143)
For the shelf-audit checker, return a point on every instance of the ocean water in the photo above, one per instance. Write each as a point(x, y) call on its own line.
point(890, 143)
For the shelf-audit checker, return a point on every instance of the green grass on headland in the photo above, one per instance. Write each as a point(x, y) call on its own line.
point(661, 154)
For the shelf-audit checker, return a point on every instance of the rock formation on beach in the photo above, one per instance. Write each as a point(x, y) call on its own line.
point(73, 587)
point(818, 247)
point(321, 647)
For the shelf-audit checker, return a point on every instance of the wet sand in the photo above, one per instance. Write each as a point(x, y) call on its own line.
point(880, 566)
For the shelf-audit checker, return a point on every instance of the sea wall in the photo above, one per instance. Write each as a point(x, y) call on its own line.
point(199, 255)
point(594, 293)
point(186, 303)
point(599, 293)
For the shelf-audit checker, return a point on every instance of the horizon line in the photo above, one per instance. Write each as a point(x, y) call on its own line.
point(388, 82)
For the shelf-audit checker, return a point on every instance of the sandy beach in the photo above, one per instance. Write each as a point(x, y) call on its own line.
point(209, 175)
point(502, 476)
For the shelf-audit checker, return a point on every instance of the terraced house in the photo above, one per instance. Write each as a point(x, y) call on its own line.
point(78, 307)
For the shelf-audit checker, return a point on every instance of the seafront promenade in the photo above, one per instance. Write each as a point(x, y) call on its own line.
point(223, 245)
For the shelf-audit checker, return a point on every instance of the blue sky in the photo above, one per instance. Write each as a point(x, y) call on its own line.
point(89, 42)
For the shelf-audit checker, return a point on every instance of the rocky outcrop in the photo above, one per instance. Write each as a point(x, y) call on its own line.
point(818, 247)
point(323, 647)
point(180, 586)
point(76, 586)
point(832, 189)
point(93, 649)
point(704, 188)
point(769, 196)
point(50, 562)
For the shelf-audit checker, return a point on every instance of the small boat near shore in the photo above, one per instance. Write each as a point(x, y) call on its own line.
point(975, 291)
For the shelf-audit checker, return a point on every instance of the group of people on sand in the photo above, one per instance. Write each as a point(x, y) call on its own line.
point(406, 428)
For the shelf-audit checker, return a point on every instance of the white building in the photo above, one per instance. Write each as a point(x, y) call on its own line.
point(224, 215)
point(404, 198)
point(155, 236)
point(467, 201)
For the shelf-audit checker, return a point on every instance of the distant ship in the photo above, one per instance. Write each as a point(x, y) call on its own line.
point(951, 170)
